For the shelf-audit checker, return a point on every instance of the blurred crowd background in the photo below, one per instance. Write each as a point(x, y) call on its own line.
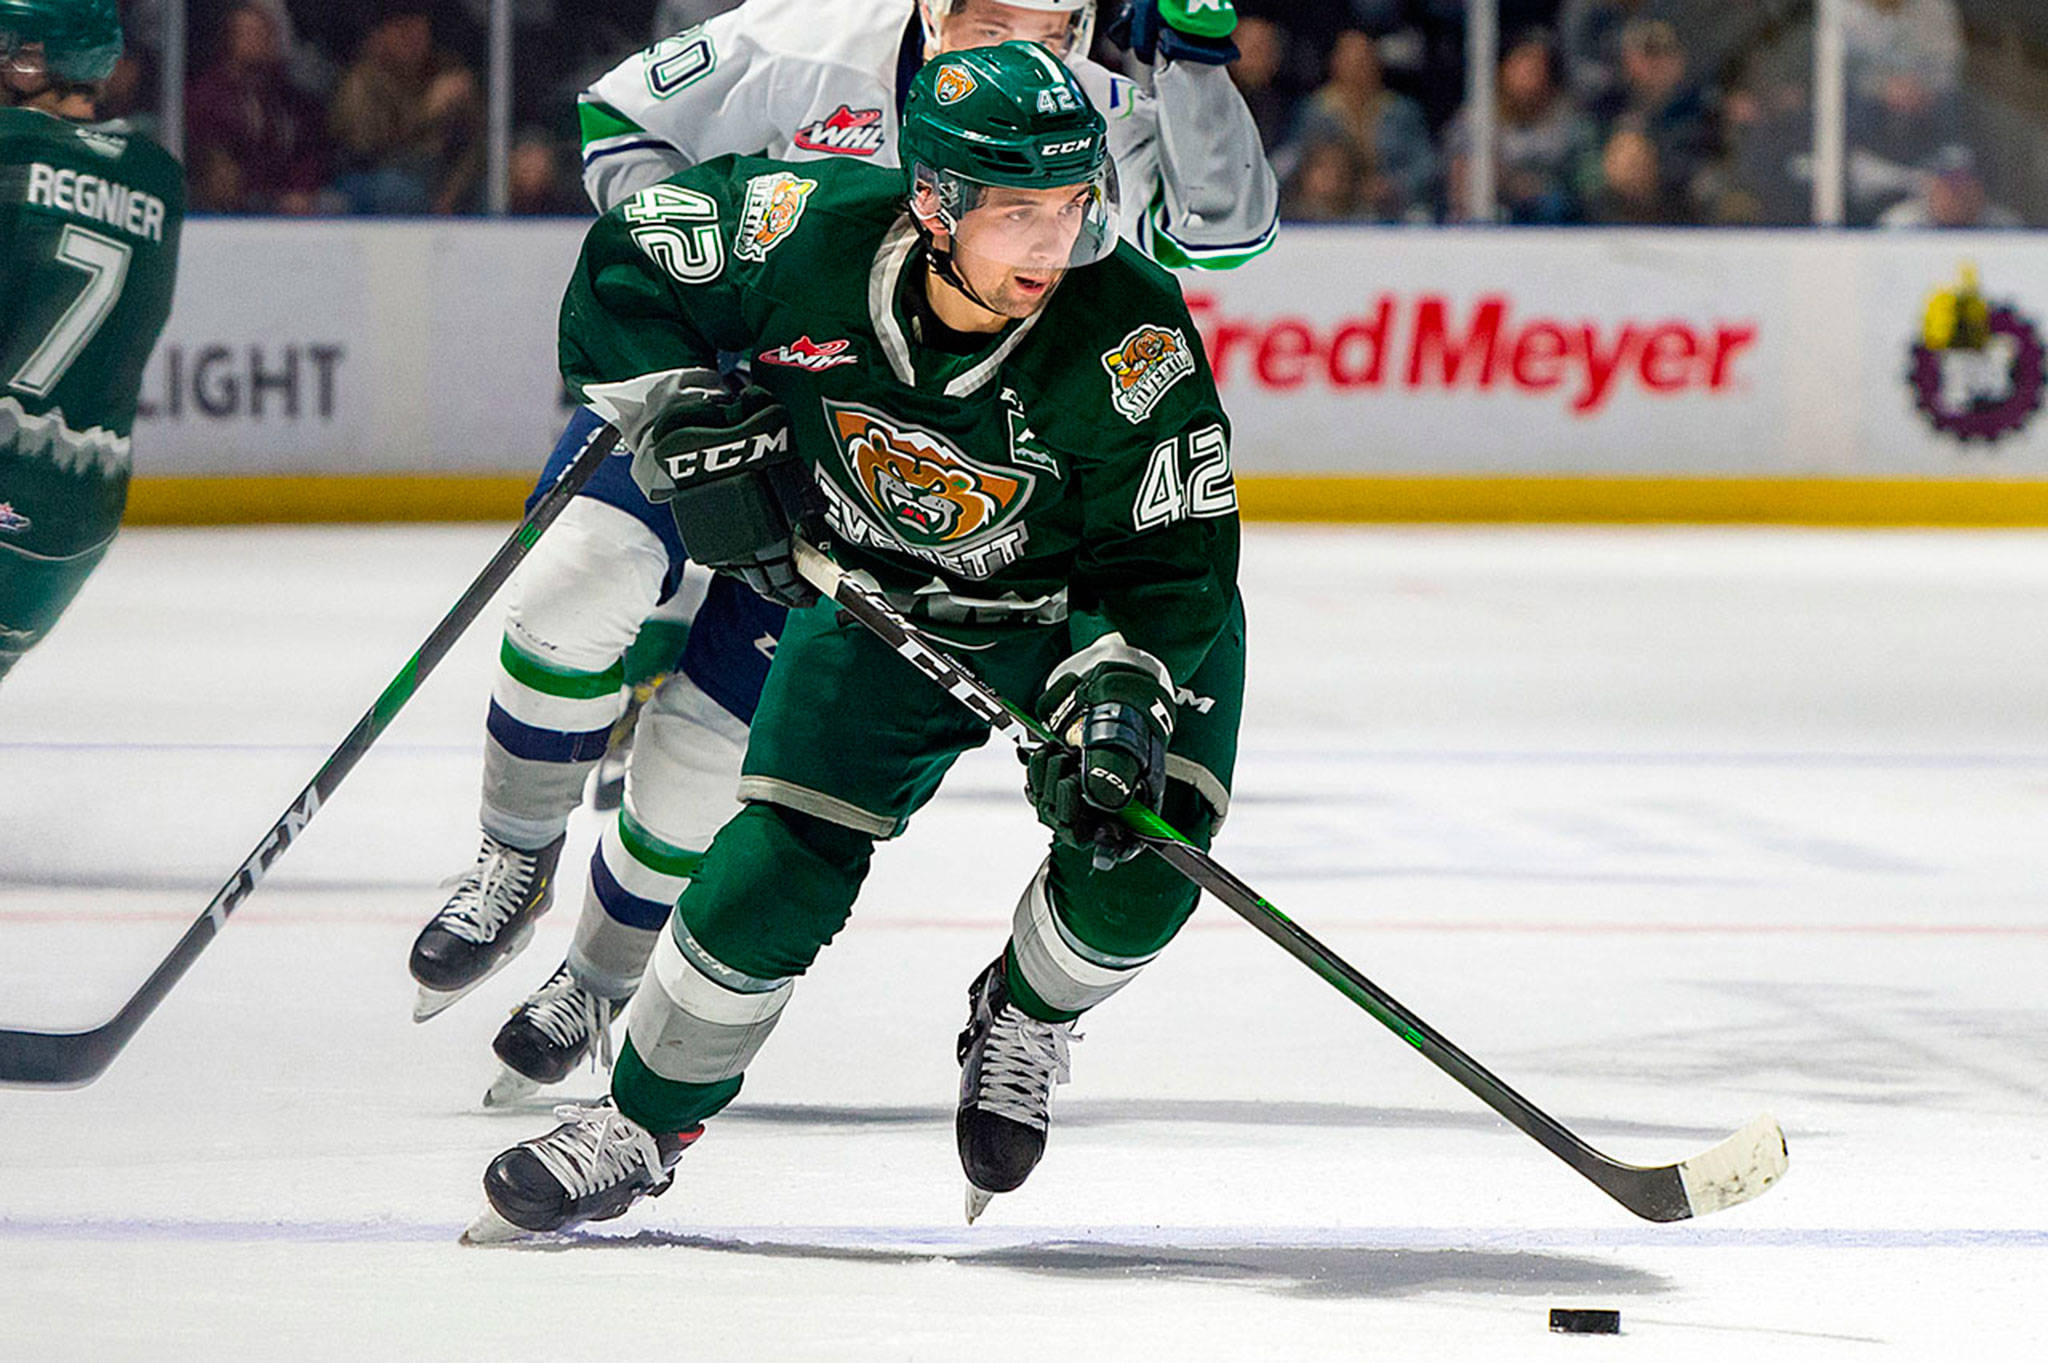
point(1696, 112)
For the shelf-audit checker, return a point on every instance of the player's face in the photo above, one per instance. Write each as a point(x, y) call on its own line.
point(25, 83)
point(1014, 246)
point(984, 23)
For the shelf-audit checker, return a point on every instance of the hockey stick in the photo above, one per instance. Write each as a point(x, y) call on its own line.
point(1736, 1170)
point(72, 1059)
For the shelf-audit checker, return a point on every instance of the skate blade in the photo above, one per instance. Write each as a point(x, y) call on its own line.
point(434, 1002)
point(509, 1087)
point(977, 1202)
point(493, 1229)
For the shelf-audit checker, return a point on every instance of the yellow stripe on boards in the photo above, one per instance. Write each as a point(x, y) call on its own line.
point(1762, 501)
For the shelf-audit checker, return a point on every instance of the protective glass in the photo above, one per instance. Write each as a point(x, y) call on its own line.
point(1025, 229)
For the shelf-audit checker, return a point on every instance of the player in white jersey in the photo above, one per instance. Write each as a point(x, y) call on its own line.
point(799, 80)
point(794, 79)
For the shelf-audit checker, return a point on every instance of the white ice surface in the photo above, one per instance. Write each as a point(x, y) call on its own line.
point(1668, 827)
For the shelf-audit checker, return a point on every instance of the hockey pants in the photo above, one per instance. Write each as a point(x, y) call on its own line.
point(847, 744)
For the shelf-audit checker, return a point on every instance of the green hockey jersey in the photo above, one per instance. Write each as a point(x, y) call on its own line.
point(89, 222)
point(1079, 462)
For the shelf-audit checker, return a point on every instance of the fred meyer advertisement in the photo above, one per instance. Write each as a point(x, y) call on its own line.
point(340, 348)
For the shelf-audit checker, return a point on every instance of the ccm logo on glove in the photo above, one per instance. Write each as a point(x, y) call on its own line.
point(713, 459)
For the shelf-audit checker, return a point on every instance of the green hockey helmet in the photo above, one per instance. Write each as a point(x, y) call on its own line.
point(993, 134)
point(78, 40)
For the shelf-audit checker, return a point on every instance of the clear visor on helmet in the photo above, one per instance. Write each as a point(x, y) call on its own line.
point(1022, 229)
point(76, 66)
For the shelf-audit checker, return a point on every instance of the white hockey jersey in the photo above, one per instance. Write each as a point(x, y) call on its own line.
point(804, 79)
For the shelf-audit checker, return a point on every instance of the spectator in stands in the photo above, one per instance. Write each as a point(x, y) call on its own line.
point(1662, 124)
point(1950, 195)
point(1385, 129)
point(1329, 183)
point(1540, 138)
point(1767, 118)
point(1904, 68)
point(408, 121)
point(1262, 53)
point(535, 182)
point(1590, 31)
point(253, 143)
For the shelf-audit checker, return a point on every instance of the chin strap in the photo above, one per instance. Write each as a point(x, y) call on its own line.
point(940, 262)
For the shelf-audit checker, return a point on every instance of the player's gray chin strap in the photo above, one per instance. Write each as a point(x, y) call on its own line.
point(941, 264)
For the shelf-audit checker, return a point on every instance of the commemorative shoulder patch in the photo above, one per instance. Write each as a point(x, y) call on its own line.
point(773, 205)
point(1148, 362)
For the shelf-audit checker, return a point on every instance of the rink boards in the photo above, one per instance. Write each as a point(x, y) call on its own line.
point(405, 370)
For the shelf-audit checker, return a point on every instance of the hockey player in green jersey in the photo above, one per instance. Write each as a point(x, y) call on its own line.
point(1005, 421)
point(89, 218)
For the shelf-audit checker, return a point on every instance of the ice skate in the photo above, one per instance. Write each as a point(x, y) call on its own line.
point(557, 1026)
point(485, 923)
point(1009, 1062)
point(593, 1167)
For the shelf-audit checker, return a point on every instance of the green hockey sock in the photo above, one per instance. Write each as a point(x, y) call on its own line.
point(665, 1104)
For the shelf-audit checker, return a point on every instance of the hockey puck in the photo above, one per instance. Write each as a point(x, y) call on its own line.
point(1569, 1321)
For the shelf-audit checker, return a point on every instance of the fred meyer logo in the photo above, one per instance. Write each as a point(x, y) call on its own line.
point(920, 494)
point(845, 132)
point(716, 459)
point(1428, 343)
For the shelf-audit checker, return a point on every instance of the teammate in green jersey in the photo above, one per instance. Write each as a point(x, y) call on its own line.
point(89, 218)
point(1005, 421)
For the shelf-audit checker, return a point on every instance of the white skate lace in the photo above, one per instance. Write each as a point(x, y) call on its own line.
point(488, 894)
point(568, 1015)
point(1020, 1063)
point(597, 1148)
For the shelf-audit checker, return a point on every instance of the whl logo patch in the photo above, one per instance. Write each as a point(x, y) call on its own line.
point(804, 353)
point(918, 492)
point(773, 206)
point(12, 521)
point(1150, 361)
point(846, 132)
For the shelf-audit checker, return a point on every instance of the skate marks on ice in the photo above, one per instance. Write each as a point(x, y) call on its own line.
point(1859, 1044)
point(1308, 1267)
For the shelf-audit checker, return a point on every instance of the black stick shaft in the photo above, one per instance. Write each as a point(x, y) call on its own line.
point(69, 1059)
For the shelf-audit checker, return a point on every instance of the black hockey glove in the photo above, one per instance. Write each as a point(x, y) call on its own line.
point(737, 490)
point(1178, 30)
point(1114, 719)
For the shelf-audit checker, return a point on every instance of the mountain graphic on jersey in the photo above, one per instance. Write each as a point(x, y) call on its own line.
point(926, 496)
point(846, 132)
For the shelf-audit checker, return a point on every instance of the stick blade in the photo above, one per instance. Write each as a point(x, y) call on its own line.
point(1740, 1168)
point(64, 1060)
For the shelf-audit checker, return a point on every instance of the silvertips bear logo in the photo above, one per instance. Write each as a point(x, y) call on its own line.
point(953, 85)
point(1979, 369)
point(773, 206)
point(919, 493)
point(1148, 362)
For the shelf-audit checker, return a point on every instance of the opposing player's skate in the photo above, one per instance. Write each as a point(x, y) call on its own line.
point(558, 1025)
point(592, 1167)
point(1009, 1062)
point(485, 923)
